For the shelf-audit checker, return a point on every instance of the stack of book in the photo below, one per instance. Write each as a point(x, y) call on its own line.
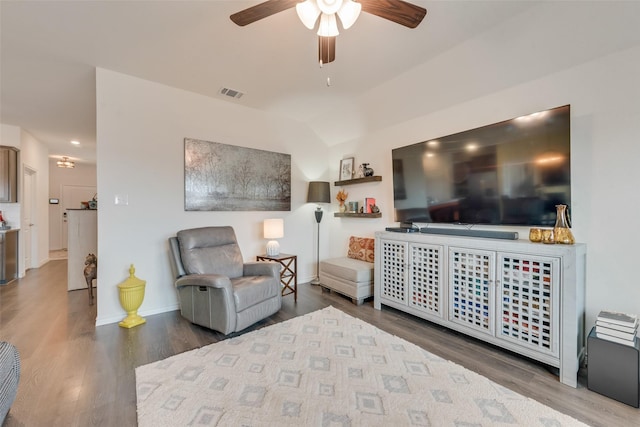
point(617, 327)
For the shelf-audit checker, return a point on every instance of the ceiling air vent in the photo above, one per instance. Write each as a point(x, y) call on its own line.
point(231, 92)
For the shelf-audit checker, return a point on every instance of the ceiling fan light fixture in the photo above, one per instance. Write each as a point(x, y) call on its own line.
point(328, 26)
point(349, 13)
point(66, 163)
point(308, 13)
point(329, 7)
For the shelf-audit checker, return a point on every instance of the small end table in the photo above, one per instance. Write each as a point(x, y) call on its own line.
point(288, 272)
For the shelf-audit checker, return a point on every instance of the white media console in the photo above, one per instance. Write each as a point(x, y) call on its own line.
point(522, 296)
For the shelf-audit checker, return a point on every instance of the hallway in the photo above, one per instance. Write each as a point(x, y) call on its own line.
point(58, 254)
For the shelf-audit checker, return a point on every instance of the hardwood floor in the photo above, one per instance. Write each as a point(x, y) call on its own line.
point(76, 374)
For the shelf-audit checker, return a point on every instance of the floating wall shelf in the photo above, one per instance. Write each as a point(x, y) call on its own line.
point(357, 215)
point(359, 180)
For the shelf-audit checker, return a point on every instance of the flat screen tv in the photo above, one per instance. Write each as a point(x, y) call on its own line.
point(508, 173)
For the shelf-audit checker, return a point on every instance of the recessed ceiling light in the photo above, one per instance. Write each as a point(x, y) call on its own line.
point(75, 142)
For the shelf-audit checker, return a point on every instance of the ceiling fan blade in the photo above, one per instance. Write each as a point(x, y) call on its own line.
point(262, 10)
point(326, 49)
point(397, 11)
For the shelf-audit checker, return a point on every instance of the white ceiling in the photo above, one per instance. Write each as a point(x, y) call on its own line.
point(50, 49)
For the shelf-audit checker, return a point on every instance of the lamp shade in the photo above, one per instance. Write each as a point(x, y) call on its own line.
point(318, 192)
point(348, 13)
point(328, 26)
point(308, 13)
point(274, 228)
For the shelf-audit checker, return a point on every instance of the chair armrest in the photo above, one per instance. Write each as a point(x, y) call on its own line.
point(262, 268)
point(209, 280)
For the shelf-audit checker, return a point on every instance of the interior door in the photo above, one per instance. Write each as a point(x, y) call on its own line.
point(28, 226)
point(72, 195)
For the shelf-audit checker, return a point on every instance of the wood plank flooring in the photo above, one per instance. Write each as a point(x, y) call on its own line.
point(76, 374)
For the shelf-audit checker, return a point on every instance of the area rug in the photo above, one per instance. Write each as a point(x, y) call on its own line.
point(326, 368)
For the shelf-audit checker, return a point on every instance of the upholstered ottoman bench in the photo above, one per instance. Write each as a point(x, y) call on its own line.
point(351, 275)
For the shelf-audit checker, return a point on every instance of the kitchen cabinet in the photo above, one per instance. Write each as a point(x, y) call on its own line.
point(8, 174)
point(8, 256)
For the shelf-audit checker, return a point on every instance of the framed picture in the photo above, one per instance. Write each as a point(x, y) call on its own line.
point(222, 177)
point(346, 169)
point(369, 203)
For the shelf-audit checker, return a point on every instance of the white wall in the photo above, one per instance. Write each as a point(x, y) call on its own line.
point(82, 174)
point(34, 155)
point(605, 130)
point(140, 149)
point(9, 135)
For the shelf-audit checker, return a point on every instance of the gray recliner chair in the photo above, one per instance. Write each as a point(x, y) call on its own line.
point(216, 288)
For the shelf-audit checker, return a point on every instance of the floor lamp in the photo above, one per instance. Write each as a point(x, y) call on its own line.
point(318, 193)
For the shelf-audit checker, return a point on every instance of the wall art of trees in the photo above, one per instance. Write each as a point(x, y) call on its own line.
point(222, 177)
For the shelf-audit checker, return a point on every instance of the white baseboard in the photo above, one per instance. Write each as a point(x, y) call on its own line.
point(107, 320)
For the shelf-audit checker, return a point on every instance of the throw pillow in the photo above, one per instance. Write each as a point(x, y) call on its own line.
point(361, 248)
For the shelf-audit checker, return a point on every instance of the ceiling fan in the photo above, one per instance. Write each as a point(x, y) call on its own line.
point(398, 11)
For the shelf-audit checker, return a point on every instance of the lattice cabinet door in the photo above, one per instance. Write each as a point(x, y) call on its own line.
point(426, 278)
point(528, 289)
point(471, 287)
point(394, 270)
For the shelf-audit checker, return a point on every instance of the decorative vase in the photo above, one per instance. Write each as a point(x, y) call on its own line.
point(131, 293)
point(562, 232)
point(535, 235)
point(366, 170)
point(343, 208)
point(548, 236)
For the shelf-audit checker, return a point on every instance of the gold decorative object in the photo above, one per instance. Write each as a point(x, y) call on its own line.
point(561, 230)
point(535, 235)
point(131, 293)
point(341, 197)
point(547, 236)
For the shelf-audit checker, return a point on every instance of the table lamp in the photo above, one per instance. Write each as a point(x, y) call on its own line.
point(273, 229)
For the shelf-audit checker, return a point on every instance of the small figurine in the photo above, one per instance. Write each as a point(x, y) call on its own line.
point(90, 273)
point(366, 170)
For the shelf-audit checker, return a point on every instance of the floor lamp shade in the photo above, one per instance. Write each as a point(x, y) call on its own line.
point(273, 229)
point(318, 193)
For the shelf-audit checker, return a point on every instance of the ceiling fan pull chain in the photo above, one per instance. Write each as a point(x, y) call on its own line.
point(321, 49)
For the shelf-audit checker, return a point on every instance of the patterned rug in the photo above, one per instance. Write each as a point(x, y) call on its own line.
point(326, 369)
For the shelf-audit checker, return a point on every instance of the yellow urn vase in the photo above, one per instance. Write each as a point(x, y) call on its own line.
point(131, 293)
